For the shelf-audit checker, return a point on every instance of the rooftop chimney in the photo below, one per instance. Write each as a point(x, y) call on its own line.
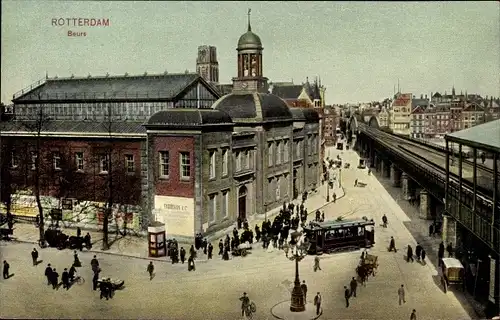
point(425, 96)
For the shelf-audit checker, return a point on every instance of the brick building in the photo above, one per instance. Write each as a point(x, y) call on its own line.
point(171, 150)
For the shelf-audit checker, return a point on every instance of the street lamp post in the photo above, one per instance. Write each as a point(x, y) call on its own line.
point(340, 177)
point(328, 187)
point(298, 303)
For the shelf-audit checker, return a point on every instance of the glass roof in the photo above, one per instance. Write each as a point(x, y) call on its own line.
point(486, 135)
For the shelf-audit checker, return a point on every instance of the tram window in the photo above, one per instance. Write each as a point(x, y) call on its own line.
point(361, 231)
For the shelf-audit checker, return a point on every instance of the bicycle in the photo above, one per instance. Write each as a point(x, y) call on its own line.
point(250, 310)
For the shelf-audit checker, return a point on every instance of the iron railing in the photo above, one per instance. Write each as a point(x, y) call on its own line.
point(29, 88)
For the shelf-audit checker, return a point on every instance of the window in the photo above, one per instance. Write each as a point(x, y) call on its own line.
point(212, 206)
point(13, 160)
point(297, 149)
point(238, 161)
point(278, 187)
point(185, 162)
point(164, 164)
point(225, 162)
point(56, 159)
point(211, 168)
point(129, 163)
point(246, 160)
point(270, 153)
point(104, 164)
point(278, 152)
point(79, 161)
point(33, 160)
point(225, 203)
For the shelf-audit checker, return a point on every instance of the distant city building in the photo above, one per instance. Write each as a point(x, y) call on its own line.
point(400, 114)
point(207, 65)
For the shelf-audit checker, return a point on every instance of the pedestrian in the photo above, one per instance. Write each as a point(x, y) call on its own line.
point(423, 253)
point(183, 255)
point(409, 254)
point(72, 272)
point(95, 264)
point(418, 251)
point(431, 230)
point(95, 281)
point(221, 247)
point(384, 221)
point(65, 279)
point(316, 264)
point(76, 261)
point(354, 286)
point(303, 286)
point(48, 274)
point(317, 303)
point(392, 245)
point(6, 268)
point(210, 250)
point(55, 278)
point(347, 295)
point(150, 270)
point(78, 232)
point(413, 315)
point(440, 253)
point(356, 182)
point(334, 198)
point(401, 294)
point(191, 265)
point(88, 241)
point(449, 249)
point(34, 256)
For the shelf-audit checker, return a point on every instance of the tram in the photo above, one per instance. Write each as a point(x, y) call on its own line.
point(335, 236)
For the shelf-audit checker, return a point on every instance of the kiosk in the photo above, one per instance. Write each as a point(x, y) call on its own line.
point(156, 240)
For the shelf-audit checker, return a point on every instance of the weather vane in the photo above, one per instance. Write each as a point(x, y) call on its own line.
point(249, 27)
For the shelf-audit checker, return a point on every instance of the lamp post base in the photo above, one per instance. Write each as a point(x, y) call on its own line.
point(282, 311)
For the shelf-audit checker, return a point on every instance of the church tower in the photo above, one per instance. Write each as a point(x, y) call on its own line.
point(250, 77)
point(207, 65)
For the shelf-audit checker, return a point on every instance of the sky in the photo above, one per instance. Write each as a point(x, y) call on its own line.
point(358, 49)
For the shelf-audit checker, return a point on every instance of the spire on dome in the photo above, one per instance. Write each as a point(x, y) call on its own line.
point(249, 26)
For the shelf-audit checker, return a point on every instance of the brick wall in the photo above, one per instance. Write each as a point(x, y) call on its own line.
point(173, 185)
point(68, 182)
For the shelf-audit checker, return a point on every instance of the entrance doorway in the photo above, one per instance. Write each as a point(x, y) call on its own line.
point(295, 187)
point(242, 203)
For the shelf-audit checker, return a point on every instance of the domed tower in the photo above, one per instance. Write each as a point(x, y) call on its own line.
point(250, 77)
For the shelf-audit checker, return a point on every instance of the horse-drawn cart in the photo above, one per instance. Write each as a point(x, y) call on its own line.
point(367, 266)
point(242, 249)
point(452, 272)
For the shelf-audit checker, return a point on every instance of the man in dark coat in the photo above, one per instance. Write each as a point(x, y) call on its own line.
point(449, 249)
point(347, 295)
point(409, 254)
point(65, 279)
point(440, 253)
point(392, 245)
point(257, 233)
point(6, 268)
point(94, 264)
point(88, 241)
point(418, 251)
point(150, 269)
point(78, 232)
point(210, 250)
point(72, 272)
point(221, 247)
point(205, 246)
point(48, 272)
point(317, 303)
point(183, 255)
point(354, 286)
point(34, 256)
point(55, 278)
